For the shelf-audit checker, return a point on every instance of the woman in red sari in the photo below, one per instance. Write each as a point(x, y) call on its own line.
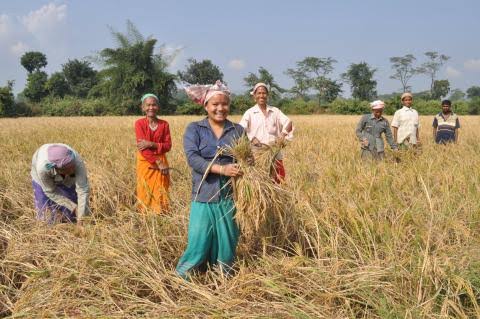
point(153, 142)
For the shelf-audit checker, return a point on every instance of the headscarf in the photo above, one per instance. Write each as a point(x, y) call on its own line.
point(200, 94)
point(149, 95)
point(377, 105)
point(406, 94)
point(59, 156)
point(259, 84)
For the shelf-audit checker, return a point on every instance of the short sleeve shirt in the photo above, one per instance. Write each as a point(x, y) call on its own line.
point(407, 121)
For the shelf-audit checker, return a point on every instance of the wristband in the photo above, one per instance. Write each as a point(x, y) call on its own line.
point(222, 170)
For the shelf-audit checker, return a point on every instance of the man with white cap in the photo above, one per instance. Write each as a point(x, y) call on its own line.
point(369, 132)
point(265, 125)
point(406, 124)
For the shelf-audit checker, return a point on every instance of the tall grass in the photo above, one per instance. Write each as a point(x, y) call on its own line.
point(369, 241)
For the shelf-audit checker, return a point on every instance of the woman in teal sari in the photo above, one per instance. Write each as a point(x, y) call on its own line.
point(212, 231)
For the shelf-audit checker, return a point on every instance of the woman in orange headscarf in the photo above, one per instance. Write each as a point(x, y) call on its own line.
point(153, 142)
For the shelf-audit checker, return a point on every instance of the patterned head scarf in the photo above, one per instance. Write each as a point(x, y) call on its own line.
point(406, 94)
point(259, 84)
point(377, 105)
point(146, 96)
point(200, 94)
point(59, 156)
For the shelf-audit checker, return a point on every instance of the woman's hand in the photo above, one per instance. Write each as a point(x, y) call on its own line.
point(231, 170)
point(162, 167)
point(143, 145)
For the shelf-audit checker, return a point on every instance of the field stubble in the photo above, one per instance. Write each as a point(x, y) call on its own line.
point(388, 240)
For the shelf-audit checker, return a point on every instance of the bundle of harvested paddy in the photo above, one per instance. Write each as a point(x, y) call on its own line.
point(263, 207)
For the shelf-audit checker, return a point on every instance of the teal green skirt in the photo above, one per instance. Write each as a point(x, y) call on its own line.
point(212, 237)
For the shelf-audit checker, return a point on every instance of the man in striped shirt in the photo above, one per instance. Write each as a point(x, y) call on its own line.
point(446, 125)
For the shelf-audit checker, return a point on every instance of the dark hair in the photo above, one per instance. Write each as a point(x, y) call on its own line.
point(446, 102)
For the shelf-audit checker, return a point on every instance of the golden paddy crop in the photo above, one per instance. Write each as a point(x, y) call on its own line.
point(364, 240)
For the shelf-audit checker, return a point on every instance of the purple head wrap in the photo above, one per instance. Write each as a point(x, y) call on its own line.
point(59, 156)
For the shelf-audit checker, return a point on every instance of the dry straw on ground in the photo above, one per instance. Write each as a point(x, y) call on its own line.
point(393, 240)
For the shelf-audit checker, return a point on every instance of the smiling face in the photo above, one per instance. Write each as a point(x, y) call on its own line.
point(407, 101)
point(261, 96)
point(150, 107)
point(218, 107)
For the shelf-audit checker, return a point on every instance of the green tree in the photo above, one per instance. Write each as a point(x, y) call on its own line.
point(266, 77)
point(328, 90)
point(201, 72)
point(457, 95)
point(360, 78)
point(33, 61)
point(313, 71)
point(7, 100)
point(404, 69)
point(301, 86)
point(440, 88)
point(432, 66)
point(35, 89)
point(473, 92)
point(133, 69)
point(317, 69)
point(80, 77)
point(57, 85)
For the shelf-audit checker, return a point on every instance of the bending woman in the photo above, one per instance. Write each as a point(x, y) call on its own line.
point(212, 231)
point(153, 142)
point(60, 184)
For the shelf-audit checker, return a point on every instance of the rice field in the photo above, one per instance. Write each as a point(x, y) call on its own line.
point(386, 240)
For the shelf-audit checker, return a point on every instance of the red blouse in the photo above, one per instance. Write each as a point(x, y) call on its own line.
point(161, 136)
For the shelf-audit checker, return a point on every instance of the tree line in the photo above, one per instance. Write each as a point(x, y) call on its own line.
point(133, 67)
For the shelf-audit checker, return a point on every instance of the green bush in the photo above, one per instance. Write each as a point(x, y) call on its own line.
point(189, 108)
point(460, 107)
point(350, 106)
point(474, 106)
point(425, 107)
point(7, 103)
point(300, 106)
point(241, 103)
point(70, 106)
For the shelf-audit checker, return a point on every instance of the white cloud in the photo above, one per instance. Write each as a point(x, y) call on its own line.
point(452, 72)
point(45, 19)
point(472, 65)
point(18, 48)
point(4, 24)
point(236, 64)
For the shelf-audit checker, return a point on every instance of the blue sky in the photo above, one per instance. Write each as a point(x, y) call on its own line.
point(241, 36)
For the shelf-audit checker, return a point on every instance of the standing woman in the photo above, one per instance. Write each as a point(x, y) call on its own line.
point(60, 184)
point(212, 230)
point(266, 125)
point(153, 142)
